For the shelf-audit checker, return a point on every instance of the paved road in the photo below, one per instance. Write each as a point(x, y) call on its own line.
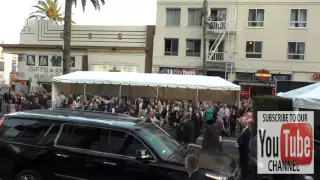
point(228, 146)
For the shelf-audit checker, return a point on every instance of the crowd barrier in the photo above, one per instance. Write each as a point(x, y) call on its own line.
point(7, 108)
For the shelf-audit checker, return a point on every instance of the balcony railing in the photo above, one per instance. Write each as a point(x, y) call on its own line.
point(222, 26)
point(217, 56)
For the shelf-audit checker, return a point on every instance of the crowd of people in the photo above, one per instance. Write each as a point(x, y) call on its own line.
point(172, 115)
point(12, 102)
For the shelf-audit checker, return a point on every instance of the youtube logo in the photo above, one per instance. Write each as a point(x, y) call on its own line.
point(285, 142)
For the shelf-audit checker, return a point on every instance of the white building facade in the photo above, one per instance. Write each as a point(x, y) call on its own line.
point(254, 43)
point(93, 48)
point(7, 64)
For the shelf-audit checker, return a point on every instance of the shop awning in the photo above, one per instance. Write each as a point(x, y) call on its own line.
point(143, 79)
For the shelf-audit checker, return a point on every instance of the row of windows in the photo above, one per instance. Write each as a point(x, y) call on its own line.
point(256, 17)
point(296, 50)
point(254, 49)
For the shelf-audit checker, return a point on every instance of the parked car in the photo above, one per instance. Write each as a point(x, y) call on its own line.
point(80, 145)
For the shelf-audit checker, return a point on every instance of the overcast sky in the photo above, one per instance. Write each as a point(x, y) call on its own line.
point(115, 12)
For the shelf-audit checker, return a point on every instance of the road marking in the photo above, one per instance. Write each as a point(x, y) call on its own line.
point(225, 140)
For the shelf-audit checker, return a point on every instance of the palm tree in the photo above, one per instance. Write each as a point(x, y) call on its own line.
point(67, 28)
point(48, 9)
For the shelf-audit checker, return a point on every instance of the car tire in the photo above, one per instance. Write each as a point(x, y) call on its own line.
point(30, 174)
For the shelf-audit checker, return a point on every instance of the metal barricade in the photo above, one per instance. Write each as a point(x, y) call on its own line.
point(8, 108)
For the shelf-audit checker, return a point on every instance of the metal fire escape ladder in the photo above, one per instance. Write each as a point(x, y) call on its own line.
point(216, 44)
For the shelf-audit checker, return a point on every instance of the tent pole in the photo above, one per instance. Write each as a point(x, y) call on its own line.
point(119, 94)
point(157, 93)
point(84, 91)
point(197, 97)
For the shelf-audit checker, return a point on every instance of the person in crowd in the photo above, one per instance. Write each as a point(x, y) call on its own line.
point(121, 106)
point(244, 149)
point(212, 137)
point(224, 114)
point(233, 121)
point(187, 129)
point(209, 114)
point(253, 141)
point(152, 118)
point(216, 111)
point(192, 165)
point(35, 104)
point(141, 108)
point(196, 122)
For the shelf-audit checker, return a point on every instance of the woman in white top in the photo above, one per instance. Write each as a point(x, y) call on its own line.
point(152, 117)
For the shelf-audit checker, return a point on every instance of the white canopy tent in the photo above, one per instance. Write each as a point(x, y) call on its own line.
point(145, 85)
point(306, 97)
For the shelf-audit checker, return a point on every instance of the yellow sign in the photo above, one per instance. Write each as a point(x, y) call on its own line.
point(98, 67)
point(155, 69)
point(113, 68)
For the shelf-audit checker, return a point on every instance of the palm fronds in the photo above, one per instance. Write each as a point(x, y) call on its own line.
point(96, 4)
point(48, 9)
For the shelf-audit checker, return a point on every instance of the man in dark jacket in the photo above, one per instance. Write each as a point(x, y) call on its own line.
point(35, 104)
point(244, 149)
point(192, 165)
point(187, 129)
point(213, 136)
point(196, 123)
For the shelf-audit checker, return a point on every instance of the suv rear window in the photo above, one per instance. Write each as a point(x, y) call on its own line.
point(24, 130)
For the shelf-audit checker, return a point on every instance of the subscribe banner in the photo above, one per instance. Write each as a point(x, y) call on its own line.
point(285, 142)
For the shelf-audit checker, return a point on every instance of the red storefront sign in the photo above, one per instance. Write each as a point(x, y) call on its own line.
point(263, 75)
point(316, 76)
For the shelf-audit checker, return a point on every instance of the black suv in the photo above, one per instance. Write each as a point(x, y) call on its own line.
point(80, 145)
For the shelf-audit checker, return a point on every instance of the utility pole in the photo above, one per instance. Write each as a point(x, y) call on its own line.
point(204, 36)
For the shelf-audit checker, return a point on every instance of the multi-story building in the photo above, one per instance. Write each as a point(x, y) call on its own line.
point(253, 43)
point(93, 48)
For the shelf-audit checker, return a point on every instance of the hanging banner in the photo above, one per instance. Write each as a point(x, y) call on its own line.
point(181, 71)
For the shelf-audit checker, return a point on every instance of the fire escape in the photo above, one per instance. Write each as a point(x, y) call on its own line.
point(221, 27)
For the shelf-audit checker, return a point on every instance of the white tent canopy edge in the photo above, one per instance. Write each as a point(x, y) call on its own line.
point(144, 79)
point(164, 86)
point(305, 97)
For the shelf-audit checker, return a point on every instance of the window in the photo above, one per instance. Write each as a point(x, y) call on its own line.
point(171, 47)
point(99, 139)
point(161, 141)
point(256, 18)
point(1, 66)
point(51, 135)
point(81, 137)
point(298, 18)
point(296, 50)
point(254, 49)
point(194, 17)
point(193, 48)
point(24, 130)
point(173, 17)
point(128, 146)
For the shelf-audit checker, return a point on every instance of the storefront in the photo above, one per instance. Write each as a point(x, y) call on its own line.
point(37, 70)
point(260, 83)
point(175, 70)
